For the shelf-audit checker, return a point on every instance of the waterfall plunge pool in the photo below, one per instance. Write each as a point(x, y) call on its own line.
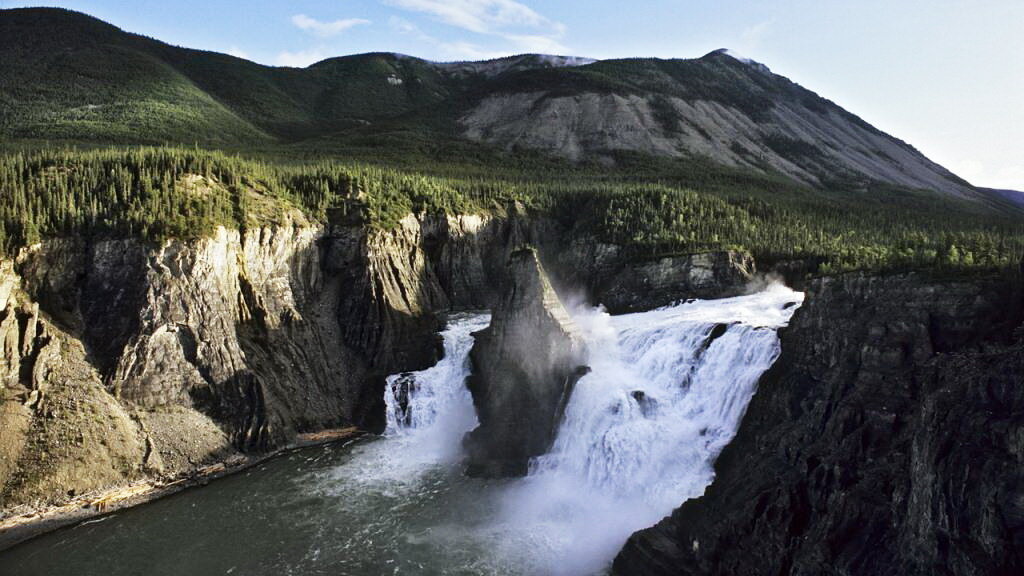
point(666, 393)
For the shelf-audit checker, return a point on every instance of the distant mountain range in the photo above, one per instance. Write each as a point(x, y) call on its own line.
point(66, 75)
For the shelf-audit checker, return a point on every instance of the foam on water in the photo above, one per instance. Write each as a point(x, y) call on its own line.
point(641, 431)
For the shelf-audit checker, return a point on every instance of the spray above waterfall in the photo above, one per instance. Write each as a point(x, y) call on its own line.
point(666, 393)
point(639, 435)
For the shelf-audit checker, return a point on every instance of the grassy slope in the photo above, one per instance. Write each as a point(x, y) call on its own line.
point(87, 80)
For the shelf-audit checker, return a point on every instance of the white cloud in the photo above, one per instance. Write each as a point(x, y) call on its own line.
point(481, 16)
point(300, 59)
point(239, 53)
point(752, 36)
point(467, 51)
point(402, 26)
point(326, 29)
point(459, 50)
point(522, 28)
point(537, 44)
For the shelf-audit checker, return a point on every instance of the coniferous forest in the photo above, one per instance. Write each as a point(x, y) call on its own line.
point(164, 192)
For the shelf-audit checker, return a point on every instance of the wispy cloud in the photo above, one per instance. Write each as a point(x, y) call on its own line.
point(523, 29)
point(326, 29)
point(481, 16)
point(752, 37)
point(300, 59)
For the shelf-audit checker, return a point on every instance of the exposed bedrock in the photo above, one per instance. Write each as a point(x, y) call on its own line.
point(525, 365)
point(887, 439)
point(126, 359)
point(649, 284)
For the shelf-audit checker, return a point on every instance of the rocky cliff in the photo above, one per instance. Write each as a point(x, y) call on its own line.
point(524, 368)
point(125, 360)
point(885, 440)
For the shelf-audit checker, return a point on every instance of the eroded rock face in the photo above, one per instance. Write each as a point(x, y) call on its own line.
point(885, 440)
point(646, 285)
point(195, 350)
point(524, 367)
point(810, 143)
point(60, 431)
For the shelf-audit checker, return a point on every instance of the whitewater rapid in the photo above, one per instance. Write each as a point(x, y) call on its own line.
point(666, 392)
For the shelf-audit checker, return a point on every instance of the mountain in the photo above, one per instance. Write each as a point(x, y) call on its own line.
point(70, 76)
point(1015, 197)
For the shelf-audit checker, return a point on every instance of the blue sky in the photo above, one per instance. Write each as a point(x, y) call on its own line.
point(945, 75)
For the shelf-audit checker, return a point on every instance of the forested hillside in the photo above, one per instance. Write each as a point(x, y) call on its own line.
point(70, 77)
point(174, 192)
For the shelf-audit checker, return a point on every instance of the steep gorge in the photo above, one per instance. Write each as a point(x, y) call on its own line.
point(885, 440)
point(126, 360)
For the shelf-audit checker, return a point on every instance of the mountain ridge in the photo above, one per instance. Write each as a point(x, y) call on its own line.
point(74, 77)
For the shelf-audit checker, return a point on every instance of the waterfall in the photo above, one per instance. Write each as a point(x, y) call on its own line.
point(641, 431)
point(666, 393)
point(432, 409)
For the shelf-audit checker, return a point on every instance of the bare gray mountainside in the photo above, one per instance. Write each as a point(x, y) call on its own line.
point(885, 440)
point(525, 365)
point(721, 108)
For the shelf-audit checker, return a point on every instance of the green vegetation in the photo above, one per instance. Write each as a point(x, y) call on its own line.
point(370, 138)
point(155, 193)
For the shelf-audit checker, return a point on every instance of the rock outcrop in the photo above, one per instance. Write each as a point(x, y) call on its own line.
point(192, 351)
point(524, 368)
point(125, 360)
point(646, 285)
point(887, 439)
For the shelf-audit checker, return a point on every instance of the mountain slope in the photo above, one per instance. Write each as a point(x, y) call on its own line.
point(732, 111)
point(66, 76)
point(69, 76)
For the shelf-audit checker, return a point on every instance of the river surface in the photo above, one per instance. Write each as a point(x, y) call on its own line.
point(666, 393)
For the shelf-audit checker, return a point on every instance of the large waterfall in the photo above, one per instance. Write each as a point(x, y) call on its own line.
point(641, 431)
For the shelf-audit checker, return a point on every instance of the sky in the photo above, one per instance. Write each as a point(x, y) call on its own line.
point(947, 76)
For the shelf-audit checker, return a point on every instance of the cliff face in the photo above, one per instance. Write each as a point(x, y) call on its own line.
point(123, 359)
point(524, 368)
point(885, 440)
point(646, 285)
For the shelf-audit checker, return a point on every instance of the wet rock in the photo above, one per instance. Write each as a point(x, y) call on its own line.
point(401, 389)
point(646, 285)
point(648, 405)
point(885, 440)
point(524, 368)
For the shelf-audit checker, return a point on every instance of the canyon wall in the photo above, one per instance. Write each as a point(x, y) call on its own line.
point(887, 439)
point(125, 360)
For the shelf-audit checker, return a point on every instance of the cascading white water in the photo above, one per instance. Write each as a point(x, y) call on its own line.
point(640, 434)
point(641, 431)
point(431, 410)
